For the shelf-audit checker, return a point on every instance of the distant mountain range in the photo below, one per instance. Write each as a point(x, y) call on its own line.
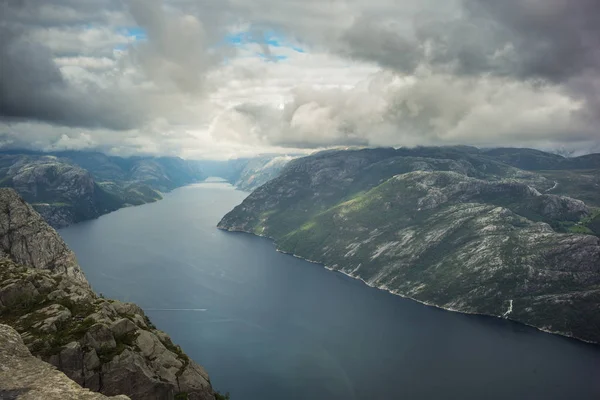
point(511, 233)
point(73, 186)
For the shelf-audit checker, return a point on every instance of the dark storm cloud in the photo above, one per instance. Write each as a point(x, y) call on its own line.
point(32, 87)
point(552, 39)
point(127, 91)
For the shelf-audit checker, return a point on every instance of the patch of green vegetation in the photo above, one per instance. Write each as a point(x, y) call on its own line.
point(79, 309)
point(181, 396)
point(128, 338)
point(581, 230)
point(589, 225)
point(107, 354)
point(174, 348)
point(20, 306)
point(123, 342)
point(71, 331)
point(148, 322)
point(220, 396)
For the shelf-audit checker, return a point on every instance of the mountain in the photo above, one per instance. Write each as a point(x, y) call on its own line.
point(259, 170)
point(101, 344)
point(537, 160)
point(453, 227)
point(246, 173)
point(69, 187)
point(576, 176)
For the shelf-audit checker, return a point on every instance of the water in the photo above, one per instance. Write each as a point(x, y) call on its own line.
point(270, 326)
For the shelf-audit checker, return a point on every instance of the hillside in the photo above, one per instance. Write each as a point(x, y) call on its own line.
point(451, 227)
point(69, 187)
point(246, 173)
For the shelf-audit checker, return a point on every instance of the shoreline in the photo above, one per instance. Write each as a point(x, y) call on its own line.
point(403, 296)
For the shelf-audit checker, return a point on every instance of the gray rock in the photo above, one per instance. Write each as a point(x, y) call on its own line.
point(149, 344)
point(100, 338)
point(57, 295)
point(127, 308)
point(33, 379)
point(139, 321)
point(194, 380)
point(130, 372)
point(38, 272)
point(91, 360)
point(17, 292)
point(27, 239)
point(52, 315)
point(122, 327)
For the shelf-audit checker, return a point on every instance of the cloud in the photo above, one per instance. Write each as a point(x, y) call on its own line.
point(178, 50)
point(475, 71)
point(64, 71)
point(424, 109)
point(227, 77)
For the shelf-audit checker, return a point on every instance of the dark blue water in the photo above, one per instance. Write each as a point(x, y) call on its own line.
point(268, 326)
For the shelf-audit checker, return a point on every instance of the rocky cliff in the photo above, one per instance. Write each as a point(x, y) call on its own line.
point(26, 377)
point(447, 227)
point(103, 345)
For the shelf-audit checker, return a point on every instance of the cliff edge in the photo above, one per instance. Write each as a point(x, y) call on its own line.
point(103, 345)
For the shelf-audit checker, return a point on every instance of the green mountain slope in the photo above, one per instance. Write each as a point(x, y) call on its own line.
point(466, 233)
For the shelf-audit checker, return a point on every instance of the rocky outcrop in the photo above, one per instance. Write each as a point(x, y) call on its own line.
point(25, 377)
point(104, 345)
point(27, 239)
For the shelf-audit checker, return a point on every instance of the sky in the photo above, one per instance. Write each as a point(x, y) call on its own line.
point(219, 79)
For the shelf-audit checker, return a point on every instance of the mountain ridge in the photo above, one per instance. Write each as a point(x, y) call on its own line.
point(461, 231)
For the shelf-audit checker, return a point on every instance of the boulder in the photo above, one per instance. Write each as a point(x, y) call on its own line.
point(99, 337)
point(53, 315)
point(122, 327)
point(25, 377)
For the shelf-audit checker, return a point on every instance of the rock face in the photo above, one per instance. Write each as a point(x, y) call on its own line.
point(24, 377)
point(27, 239)
point(465, 233)
point(104, 345)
